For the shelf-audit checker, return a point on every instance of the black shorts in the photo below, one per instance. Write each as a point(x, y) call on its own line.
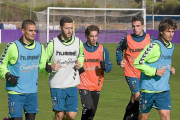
point(89, 99)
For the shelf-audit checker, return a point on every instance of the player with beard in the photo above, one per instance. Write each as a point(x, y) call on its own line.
point(67, 50)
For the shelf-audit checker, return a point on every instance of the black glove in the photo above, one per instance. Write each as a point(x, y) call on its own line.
point(48, 68)
point(12, 79)
point(81, 70)
point(103, 65)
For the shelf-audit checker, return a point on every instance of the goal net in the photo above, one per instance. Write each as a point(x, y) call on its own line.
point(152, 21)
point(113, 23)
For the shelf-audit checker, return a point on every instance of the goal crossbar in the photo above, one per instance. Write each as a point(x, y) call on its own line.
point(102, 9)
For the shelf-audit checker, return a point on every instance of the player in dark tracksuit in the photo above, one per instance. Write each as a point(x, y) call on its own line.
point(96, 62)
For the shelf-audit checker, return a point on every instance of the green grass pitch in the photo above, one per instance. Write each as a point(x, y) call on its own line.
point(114, 96)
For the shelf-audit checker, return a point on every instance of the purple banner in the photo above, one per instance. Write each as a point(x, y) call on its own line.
point(11, 35)
point(105, 36)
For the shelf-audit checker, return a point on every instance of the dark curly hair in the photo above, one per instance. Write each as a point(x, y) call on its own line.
point(166, 23)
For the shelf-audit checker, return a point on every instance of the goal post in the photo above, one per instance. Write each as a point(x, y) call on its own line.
point(103, 14)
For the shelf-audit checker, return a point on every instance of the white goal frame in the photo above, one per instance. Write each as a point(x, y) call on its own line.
point(103, 9)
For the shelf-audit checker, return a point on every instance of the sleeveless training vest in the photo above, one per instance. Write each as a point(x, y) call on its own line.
point(159, 83)
point(133, 50)
point(67, 76)
point(93, 77)
point(26, 68)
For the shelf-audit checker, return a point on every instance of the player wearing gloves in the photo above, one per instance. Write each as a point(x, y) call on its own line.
point(92, 73)
point(19, 64)
point(11, 79)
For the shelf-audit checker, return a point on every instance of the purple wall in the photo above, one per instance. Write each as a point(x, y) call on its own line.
point(108, 36)
point(11, 35)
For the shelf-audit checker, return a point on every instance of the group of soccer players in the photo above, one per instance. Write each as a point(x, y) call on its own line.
point(74, 66)
point(147, 68)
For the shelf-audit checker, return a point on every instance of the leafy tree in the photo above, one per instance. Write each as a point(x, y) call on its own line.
point(138, 1)
point(6, 15)
point(167, 8)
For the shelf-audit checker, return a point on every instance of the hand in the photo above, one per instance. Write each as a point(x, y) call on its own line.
point(81, 70)
point(161, 71)
point(172, 70)
point(103, 65)
point(77, 65)
point(122, 63)
point(55, 66)
point(48, 68)
point(11, 79)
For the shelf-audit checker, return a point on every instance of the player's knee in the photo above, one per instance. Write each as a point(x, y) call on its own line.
point(167, 117)
point(129, 106)
point(165, 114)
point(136, 96)
point(90, 107)
point(71, 115)
point(30, 116)
point(59, 115)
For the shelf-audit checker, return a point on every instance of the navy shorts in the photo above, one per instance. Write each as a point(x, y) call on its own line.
point(65, 99)
point(19, 101)
point(160, 101)
point(133, 84)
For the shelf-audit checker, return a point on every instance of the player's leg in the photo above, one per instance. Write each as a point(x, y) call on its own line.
point(31, 106)
point(30, 116)
point(146, 102)
point(130, 106)
point(58, 97)
point(87, 103)
point(129, 110)
point(135, 110)
point(144, 116)
point(59, 115)
point(134, 84)
point(16, 102)
point(71, 103)
point(70, 116)
point(164, 114)
point(163, 104)
point(95, 97)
